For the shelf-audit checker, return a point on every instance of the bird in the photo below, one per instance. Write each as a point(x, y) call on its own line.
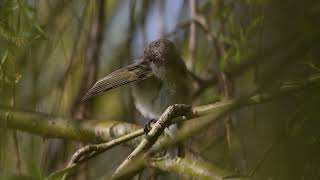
point(159, 79)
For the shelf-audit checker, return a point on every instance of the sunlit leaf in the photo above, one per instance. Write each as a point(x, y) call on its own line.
point(4, 57)
point(17, 78)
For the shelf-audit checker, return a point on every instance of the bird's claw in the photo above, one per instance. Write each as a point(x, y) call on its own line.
point(149, 125)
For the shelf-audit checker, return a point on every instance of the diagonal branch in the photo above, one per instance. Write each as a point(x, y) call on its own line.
point(136, 160)
point(149, 140)
point(102, 131)
point(90, 151)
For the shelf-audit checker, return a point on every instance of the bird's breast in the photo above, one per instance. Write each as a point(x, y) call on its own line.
point(152, 96)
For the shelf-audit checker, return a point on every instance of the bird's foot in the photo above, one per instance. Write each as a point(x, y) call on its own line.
point(148, 126)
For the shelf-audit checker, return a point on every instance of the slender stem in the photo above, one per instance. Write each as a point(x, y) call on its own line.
point(193, 35)
point(91, 151)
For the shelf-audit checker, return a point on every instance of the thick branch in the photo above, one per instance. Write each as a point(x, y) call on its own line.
point(101, 131)
point(63, 127)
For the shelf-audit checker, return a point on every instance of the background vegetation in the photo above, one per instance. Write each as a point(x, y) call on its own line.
point(52, 51)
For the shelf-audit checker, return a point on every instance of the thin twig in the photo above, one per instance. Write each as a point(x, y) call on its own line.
point(15, 135)
point(142, 21)
point(192, 35)
point(90, 151)
point(262, 160)
point(161, 18)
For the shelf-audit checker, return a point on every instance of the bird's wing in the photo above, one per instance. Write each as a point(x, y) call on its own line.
point(131, 73)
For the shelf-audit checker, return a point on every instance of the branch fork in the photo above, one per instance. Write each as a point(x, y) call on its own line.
point(149, 140)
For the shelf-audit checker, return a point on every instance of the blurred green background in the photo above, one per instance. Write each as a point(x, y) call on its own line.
point(52, 51)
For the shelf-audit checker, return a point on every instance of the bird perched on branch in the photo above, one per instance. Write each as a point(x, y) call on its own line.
point(161, 79)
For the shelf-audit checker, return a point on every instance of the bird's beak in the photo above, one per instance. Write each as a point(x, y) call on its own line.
point(134, 72)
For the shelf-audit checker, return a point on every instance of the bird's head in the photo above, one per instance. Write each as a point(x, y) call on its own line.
point(160, 52)
point(162, 56)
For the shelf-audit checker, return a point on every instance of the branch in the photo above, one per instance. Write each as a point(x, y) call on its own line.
point(49, 126)
point(90, 151)
point(91, 131)
point(192, 35)
point(137, 159)
point(219, 109)
point(161, 18)
point(102, 131)
point(149, 140)
point(191, 165)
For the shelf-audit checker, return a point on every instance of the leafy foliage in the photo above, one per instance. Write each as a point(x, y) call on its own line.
point(18, 28)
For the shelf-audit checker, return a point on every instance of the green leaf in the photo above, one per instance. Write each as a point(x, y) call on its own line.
point(40, 30)
point(17, 39)
point(224, 59)
point(17, 78)
point(253, 26)
point(4, 57)
point(12, 78)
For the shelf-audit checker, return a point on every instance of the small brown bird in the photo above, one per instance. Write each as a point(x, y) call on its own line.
point(161, 79)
